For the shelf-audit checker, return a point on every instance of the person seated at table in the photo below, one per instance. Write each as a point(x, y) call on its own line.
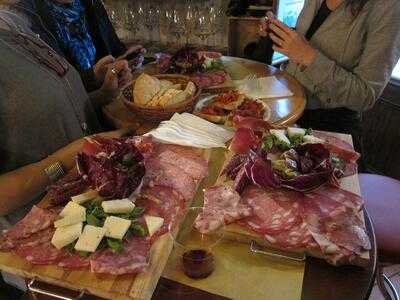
point(79, 30)
point(44, 113)
point(343, 53)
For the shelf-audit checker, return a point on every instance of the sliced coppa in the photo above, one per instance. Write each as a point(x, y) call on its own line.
point(222, 204)
point(164, 202)
point(341, 196)
point(166, 174)
point(276, 210)
point(36, 220)
point(183, 157)
point(41, 254)
point(74, 261)
point(134, 258)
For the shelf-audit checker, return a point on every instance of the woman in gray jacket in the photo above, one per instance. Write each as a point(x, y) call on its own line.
point(343, 53)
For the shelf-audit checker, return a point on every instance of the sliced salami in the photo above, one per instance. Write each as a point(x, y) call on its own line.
point(222, 204)
point(36, 220)
point(297, 238)
point(74, 261)
point(341, 196)
point(41, 254)
point(183, 157)
point(276, 210)
point(166, 174)
point(163, 202)
point(134, 258)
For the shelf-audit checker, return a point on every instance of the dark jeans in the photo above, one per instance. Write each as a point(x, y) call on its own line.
point(340, 120)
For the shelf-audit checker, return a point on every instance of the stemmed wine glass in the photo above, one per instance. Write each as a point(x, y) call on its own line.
point(132, 20)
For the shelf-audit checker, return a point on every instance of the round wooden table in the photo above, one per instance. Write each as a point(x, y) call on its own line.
point(285, 111)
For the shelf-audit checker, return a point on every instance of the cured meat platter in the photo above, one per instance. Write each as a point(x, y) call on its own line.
point(290, 190)
point(128, 273)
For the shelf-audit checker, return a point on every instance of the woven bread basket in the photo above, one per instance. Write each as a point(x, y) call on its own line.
point(155, 114)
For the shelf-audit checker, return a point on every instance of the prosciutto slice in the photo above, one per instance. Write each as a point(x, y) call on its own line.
point(134, 258)
point(222, 204)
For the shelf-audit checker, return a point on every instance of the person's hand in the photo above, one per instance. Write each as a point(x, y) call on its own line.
point(138, 49)
point(117, 77)
point(263, 27)
point(101, 67)
point(292, 44)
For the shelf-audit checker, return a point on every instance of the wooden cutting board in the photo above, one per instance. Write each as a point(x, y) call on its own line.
point(139, 286)
point(242, 234)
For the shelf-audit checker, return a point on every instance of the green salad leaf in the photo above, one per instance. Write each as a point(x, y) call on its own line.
point(83, 253)
point(115, 245)
point(92, 220)
point(308, 131)
point(138, 229)
point(268, 143)
point(296, 139)
point(134, 214)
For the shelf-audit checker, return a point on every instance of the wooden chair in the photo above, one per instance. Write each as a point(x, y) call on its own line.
point(382, 199)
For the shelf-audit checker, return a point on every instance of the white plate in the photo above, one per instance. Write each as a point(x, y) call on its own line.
point(206, 100)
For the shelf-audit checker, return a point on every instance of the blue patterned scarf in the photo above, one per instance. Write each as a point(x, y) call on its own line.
point(72, 32)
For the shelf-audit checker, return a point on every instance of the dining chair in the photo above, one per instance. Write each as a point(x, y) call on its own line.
point(382, 200)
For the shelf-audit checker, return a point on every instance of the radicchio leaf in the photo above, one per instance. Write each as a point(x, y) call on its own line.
point(261, 171)
point(70, 185)
point(307, 182)
point(234, 165)
point(241, 180)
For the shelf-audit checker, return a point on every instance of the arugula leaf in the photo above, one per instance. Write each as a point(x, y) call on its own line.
point(268, 143)
point(296, 139)
point(70, 247)
point(103, 244)
point(134, 214)
point(115, 245)
point(308, 131)
point(92, 220)
point(83, 253)
point(138, 229)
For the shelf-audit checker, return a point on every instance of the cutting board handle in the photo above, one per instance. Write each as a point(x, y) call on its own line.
point(35, 289)
point(255, 248)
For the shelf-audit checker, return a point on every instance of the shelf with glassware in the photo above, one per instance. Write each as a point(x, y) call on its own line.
point(171, 24)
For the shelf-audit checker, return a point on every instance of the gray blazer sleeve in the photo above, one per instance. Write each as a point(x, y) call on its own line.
point(359, 88)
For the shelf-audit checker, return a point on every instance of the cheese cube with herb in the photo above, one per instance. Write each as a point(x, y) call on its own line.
point(70, 220)
point(122, 206)
point(66, 235)
point(90, 238)
point(82, 198)
point(116, 227)
point(153, 223)
point(310, 139)
point(72, 208)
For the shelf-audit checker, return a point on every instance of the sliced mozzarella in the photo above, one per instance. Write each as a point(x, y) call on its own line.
point(90, 238)
point(89, 195)
point(72, 208)
point(294, 131)
point(153, 223)
point(66, 235)
point(70, 220)
point(280, 135)
point(122, 206)
point(310, 139)
point(116, 227)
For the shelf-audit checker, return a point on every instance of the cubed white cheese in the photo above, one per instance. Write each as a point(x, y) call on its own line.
point(90, 238)
point(82, 198)
point(70, 220)
point(72, 208)
point(66, 235)
point(116, 227)
point(280, 135)
point(294, 131)
point(122, 206)
point(153, 223)
point(310, 139)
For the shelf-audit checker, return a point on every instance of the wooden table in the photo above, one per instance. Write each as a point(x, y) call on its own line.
point(285, 110)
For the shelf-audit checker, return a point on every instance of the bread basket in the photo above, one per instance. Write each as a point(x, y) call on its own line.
point(157, 114)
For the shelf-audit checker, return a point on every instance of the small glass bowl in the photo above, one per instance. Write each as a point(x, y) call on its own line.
point(195, 249)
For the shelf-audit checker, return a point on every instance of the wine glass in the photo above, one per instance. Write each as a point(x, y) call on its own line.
point(132, 20)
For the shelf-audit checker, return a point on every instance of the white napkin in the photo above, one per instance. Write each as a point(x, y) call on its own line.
point(189, 130)
point(264, 87)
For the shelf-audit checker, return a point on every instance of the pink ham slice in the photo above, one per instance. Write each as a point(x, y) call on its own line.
point(32, 240)
point(165, 202)
point(222, 204)
point(183, 157)
point(41, 254)
point(167, 174)
point(36, 220)
point(134, 258)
